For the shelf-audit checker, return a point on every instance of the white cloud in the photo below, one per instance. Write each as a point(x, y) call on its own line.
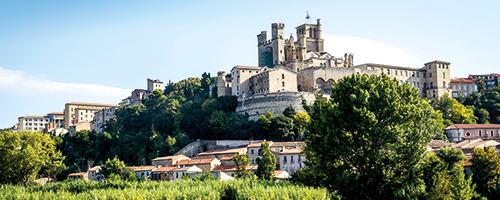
point(368, 51)
point(20, 83)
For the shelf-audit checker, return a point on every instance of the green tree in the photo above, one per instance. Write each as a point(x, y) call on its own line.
point(462, 188)
point(116, 167)
point(454, 112)
point(301, 121)
point(242, 163)
point(451, 156)
point(289, 112)
point(486, 171)
point(24, 153)
point(369, 140)
point(483, 116)
point(266, 162)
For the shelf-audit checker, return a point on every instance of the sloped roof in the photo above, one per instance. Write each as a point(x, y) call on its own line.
point(292, 151)
point(189, 169)
point(223, 151)
point(463, 80)
point(282, 174)
point(195, 161)
point(481, 144)
point(258, 144)
point(171, 157)
point(78, 174)
point(229, 168)
point(226, 158)
point(92, 104)
point(465, 142)
point(143, 168)
point(438, 143)
point(165, 169)
point(473, 126)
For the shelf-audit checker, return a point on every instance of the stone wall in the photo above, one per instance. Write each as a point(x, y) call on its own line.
point(257, 105)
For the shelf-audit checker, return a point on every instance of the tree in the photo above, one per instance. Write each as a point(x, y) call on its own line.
point(242, 163)
point(462, 188)
point(451, 156)
point(116, 167)
point(266, 163)
point(301, 121)
point(486, 171)
point(289, 112)
point(369, 140)
point(24, 153)
point(483, 116)
point(454, 112)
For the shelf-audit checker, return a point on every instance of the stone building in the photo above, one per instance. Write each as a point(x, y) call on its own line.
point(31, 122)
point(463, 86)
point(457, 132)
point(271, 85)
point(76, 112)
point(101, 117)
point(138, 95)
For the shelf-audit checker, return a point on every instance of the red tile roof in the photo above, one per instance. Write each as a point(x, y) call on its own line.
point(171, 157)
point(258, 144)
point(143, 168)
point(56, 113)
point(165, 169)
point(195, 161)
point(472, 126)
point(226, 158)
point(463, 80)
point(226, 168)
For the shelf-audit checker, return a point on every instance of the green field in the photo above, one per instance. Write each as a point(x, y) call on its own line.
point(185, 189)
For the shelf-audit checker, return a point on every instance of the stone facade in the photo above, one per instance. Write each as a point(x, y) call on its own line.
point(76, 112)
point(101, 117)
point(457, 132)
point(463, 86)
point(257, 105)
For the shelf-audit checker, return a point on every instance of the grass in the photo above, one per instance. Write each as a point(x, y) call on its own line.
point(212, 189)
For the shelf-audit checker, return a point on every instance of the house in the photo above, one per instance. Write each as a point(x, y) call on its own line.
point(227, 160)
point(435, 145)
point(253, 150)
point(163, 173)
point(219, 153)
point(467, 146)
point(290, 160)
point(206, 164)
point(144, 171)
point(168, 160)
point(457, 132)
point(216, 174)
point(80, 126)
point(231, 169)
point(94, 173)
point(281, 175)
point(180, 172)
point(79, 175)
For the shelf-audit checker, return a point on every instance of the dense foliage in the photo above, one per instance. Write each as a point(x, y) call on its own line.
point(185, 189)
point(369, 140)
point(24, 154)
point(266, 162)
point(486, 104)
point(170, 119)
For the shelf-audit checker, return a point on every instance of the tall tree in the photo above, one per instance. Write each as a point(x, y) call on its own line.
point(242, 163)
point(266, 162)
point(369, 139)
point(462, 187)
point(486, 171)
point(24, 153)
point(451, 156)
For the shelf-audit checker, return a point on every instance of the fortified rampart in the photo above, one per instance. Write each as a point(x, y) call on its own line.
point(258, 105)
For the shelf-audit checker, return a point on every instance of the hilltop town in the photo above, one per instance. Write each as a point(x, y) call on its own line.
point(197, 126)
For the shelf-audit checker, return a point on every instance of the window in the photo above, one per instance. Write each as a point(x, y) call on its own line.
point(291, 158)
point(252, 151)
point(479, 133)
point(412, 74)
point(400, 82)
point(284, 158)
point(406, 73)
point(283, 83)
point(430, 74)
point(470, 87)
point(300, 159)
point(418, 74)
point(491, 133)
point(36, 124)
point(454, 87)
point(293, 166)
point(430, 67)
point(444, 84)
point(475, 87)
point(413, 84)
point(388, 71)
point(444, 75)
point(418, 84)
point(284, 166)
point(459, 87)
point(425, 74)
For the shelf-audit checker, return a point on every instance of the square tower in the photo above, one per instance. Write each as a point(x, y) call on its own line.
point(438, 79)
point(154, 85)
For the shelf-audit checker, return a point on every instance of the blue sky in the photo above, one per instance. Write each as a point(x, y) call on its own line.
point(54, 52)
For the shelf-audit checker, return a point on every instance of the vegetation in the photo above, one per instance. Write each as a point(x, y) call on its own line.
point(369, 139)
point(185, 189)
point(24, 154)
point(242, 162)
point(486, 104)
point(266, 163)
point(486, 172)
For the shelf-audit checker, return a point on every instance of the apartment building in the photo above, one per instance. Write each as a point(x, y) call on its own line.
point(76, 112)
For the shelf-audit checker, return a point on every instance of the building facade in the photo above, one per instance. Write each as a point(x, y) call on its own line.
point(457, 132)
point(76, 112)
point(32, 122)
point(101, 117)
